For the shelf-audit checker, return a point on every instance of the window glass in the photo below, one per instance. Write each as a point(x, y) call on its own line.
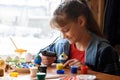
point(26, 22)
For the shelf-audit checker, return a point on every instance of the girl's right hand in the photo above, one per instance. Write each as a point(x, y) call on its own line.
point(47, 60)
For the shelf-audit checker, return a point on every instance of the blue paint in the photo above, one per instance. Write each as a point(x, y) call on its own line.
point(73, 69)
point(60, 71)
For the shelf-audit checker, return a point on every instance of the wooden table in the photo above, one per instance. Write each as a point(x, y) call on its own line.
point(52, 71)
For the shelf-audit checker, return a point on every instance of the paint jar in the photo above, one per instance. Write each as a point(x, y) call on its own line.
point(59, 66)
point(73, 69)
point(1, 72)
point(33, 71)
point(84, 69)
point(42, 68)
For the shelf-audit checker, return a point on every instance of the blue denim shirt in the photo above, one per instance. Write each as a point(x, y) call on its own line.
point(99, 55)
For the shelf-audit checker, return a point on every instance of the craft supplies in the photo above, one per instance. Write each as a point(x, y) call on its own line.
point(41, 76)
point(13, 74)
point(73, 69)
point(62, 58)
point(33, 71)
point(42, 68)
point(84, 69)
point(59, 66)
point(1, 72)
point(60, 71)
point(20, 51)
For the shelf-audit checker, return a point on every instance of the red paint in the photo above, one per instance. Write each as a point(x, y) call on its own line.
point(84, 69)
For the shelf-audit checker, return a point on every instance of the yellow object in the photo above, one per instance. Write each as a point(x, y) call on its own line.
point(59, 66)
point(20, 50)
point(2, 63)
point(13, 74)
point(17, 50)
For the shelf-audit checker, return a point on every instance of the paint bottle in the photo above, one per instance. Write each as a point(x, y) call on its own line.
point(1, 72)
point(73, 69)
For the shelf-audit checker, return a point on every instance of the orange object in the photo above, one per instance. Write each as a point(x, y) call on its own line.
point(20, 50)
point(2, 63)
point(17, 50)
point(84, 69)
point(13, 74)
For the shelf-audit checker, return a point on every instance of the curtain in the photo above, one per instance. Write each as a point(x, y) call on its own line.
point(112, 21)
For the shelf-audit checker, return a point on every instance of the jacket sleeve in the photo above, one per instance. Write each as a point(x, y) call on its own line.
point(58, 47)
point(108, 61)
point(62, 45)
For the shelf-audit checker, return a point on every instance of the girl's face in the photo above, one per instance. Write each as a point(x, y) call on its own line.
point(73, 32)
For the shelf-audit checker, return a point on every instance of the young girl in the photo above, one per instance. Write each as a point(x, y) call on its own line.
point(81, 40)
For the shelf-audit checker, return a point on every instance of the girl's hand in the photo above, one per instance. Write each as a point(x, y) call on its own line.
point(72, 62)
point(47, 60)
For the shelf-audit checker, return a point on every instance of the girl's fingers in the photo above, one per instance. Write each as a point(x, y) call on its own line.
point(47, 60)
point(68, 62)
point(72, 62)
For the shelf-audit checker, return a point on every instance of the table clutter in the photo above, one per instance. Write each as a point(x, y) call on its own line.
point(20, 65)
point(24, 65)
point(17, 63)
point(51, 74)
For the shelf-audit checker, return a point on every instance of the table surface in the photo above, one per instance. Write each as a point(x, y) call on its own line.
point(51, 75)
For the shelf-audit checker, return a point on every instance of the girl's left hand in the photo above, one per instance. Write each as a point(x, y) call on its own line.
point(72, 62)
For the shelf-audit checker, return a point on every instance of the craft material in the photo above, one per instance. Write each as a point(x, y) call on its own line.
point(59, 66)
point(33, 71)
point(84, 69)
point(42, 68)
point(1, 72)
point(73, 69)
point(41, 76)
point(60, 71)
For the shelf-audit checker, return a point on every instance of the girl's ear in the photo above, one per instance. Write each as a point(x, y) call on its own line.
point(81, 21)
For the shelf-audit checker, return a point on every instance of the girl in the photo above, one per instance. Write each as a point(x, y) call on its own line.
point(81, 40)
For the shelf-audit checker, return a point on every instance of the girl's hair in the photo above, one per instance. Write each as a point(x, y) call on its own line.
point(70, 10)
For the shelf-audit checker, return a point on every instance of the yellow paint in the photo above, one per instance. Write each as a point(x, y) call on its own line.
point(20, 51)
point(1, 62)
point(13, 74)
point(59, 66)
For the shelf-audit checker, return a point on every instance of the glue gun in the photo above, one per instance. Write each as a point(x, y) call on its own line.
point(49, 53)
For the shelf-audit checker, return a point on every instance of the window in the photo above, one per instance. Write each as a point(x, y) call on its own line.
point(27, 23)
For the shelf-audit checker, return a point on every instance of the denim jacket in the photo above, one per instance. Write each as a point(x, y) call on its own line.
point(99, 55)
